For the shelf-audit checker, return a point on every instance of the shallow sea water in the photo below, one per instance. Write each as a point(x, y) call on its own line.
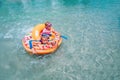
point(92, 51)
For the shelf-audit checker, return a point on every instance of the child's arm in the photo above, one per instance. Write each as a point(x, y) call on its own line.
point(53, 31)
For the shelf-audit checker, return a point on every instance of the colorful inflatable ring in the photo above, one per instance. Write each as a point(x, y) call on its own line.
point(41, 52)
point(35, 35)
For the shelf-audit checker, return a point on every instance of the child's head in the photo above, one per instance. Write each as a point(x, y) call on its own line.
point(44, 38)
point(48, 25)
point(45, 35)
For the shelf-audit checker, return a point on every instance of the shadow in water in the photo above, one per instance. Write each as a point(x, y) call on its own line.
point(75, 2)
point(70, 2)
point(0, 3)
point(85, 2)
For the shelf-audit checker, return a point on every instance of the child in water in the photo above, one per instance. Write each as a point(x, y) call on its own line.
point(48, 29)
point(44, 43)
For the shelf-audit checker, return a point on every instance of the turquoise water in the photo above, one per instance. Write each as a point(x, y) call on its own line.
point(92, 51)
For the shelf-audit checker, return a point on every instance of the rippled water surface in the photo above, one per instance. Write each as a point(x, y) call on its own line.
point(92, 51)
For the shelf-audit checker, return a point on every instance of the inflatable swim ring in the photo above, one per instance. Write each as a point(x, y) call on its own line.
point(34, 36)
